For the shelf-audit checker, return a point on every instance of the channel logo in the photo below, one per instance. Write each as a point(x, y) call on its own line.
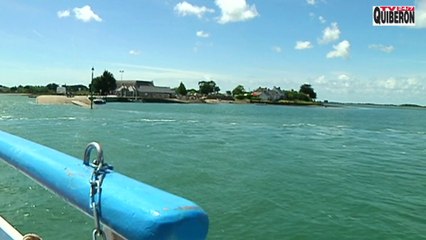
point(394, 15)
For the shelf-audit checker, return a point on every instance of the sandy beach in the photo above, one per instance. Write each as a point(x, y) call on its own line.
point(55, 99)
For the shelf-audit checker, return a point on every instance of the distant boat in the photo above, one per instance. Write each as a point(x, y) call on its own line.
point(99, 101)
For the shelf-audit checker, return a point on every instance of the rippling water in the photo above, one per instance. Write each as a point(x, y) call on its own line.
point(260, 171)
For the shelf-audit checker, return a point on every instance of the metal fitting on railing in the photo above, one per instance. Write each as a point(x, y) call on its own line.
point(99, 171)
point(100, 158)
point(31, 236)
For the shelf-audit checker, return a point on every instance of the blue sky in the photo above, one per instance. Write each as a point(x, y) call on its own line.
point(330, 44)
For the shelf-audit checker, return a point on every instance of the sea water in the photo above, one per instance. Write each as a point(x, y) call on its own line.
point(260, 171)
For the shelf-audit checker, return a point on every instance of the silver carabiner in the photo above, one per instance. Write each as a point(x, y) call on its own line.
point(97, 233)
point(99, 161)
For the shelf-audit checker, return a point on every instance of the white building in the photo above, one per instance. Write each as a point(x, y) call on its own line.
point(61, 90)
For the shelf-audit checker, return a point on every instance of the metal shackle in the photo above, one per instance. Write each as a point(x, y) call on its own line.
point(99, 161)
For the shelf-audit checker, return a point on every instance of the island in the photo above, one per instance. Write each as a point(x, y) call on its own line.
point(108, 89)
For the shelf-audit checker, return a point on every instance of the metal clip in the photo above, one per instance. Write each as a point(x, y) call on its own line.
point(99, 161)
point(99, 171)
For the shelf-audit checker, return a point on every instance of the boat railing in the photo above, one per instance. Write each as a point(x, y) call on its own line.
point(122, 207)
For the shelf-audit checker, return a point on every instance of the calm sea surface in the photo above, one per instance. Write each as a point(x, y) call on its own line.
point(260, 171)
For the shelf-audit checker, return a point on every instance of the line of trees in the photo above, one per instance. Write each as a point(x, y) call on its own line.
point(48, 89)
point(103, 84)
point(305, 93)
point(204, 88)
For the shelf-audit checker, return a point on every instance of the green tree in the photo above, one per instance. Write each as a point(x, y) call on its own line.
point(181, 90)
point(104, 83)
point(296, 96)
point(308, 90)
point(192, 91)
point(207, 87)
point(216, 89)
point(52, 87)
point(239, 90)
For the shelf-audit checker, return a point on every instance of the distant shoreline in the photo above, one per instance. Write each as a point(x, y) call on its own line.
point(407, 105)
point(61, 99)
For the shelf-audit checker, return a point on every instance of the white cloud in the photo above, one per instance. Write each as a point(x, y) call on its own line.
point(340, 50)
point(311, 2)
point(343, 77)
point(389, 89)
point(389, 83)
point(202, 34)
point(322, 19)
point(86, 14)
point(382, 48)
point(415, 83)
point(277, 49)
point(320, 80)
point(135, 52)
point(420, 14)
point(184, 8)
point(301, 45)
point(63, 14)
point(236, 11)
point(330, 34)
point(402, 84)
